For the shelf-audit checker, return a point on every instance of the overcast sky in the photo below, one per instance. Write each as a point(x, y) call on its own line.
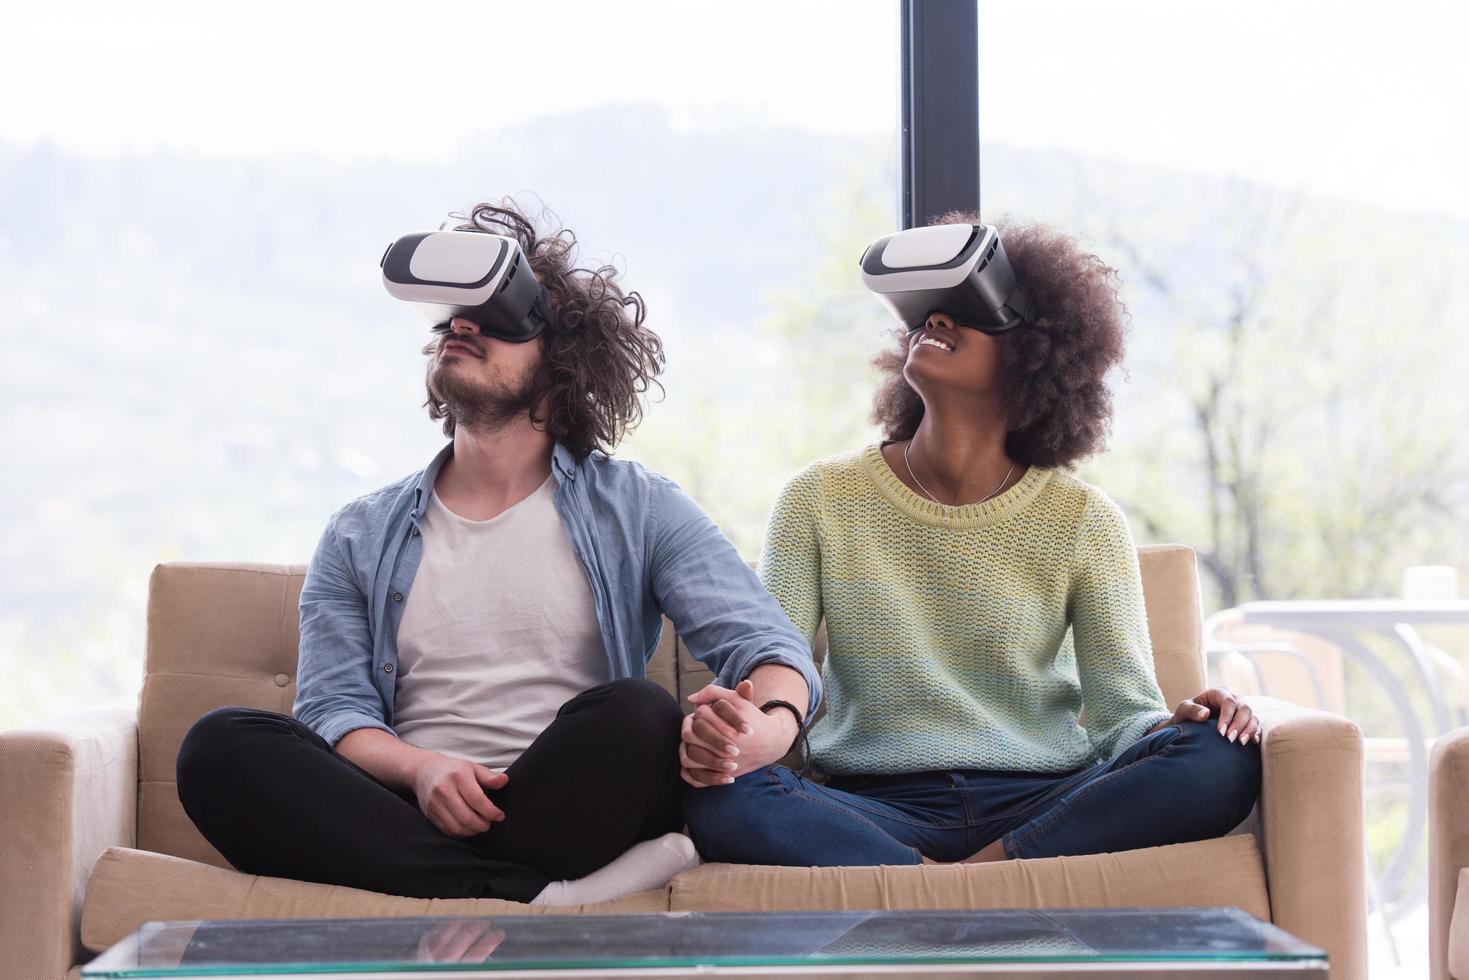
point(1358, 99)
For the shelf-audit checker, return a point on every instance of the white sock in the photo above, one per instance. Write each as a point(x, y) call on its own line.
point(650, 864)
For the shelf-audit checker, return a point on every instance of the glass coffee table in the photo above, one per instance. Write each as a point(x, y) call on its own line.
point(1219, 944)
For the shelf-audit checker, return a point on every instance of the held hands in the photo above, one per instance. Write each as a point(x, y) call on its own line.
point(451, 793)
point(728, 735)
point(1236, 720)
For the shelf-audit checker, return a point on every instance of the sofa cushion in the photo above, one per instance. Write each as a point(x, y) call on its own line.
point(129, 887)
point(1222, 872)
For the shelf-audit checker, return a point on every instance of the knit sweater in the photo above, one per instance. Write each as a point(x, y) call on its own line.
point(964, 637)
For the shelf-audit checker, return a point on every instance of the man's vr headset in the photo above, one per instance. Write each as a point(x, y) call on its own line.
point(960, 270)
point(481, 277)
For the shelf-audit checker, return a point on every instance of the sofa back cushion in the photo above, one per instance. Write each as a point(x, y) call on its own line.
point(225, 634)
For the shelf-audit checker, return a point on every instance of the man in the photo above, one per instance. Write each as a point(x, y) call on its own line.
point(470, 716)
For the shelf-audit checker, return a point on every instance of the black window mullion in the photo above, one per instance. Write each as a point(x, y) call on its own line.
point(939, 133)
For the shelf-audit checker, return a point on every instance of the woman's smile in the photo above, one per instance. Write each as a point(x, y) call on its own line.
point(929, 340)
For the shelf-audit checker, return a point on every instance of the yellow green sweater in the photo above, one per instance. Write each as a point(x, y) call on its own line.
point(971, 644)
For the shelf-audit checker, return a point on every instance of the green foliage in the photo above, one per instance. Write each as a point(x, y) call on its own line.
point(1301, 430)
point(733, 447)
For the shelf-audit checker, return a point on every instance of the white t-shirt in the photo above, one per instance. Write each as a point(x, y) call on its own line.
point(500, 630)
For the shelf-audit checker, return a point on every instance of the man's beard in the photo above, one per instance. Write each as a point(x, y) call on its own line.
point(472, 405)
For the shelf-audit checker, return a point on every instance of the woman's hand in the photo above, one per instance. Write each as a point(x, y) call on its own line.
point(1236, 720)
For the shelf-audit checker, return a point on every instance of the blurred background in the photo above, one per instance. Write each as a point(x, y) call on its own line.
point(200, 363)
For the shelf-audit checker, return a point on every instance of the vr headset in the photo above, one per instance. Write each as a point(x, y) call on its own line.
point(960, 270)
point(481, 277)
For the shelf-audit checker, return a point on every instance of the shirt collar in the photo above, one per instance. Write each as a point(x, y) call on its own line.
point(563, 464)
point(563, 467)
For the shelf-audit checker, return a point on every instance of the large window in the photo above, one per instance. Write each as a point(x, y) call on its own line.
point(1281, 189)
point(200, 362)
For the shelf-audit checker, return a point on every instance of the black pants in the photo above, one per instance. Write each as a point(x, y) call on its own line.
point(275, 799)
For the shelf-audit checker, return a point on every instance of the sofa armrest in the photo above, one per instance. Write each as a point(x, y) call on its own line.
point(70, 792)
point(1448, 840)
point(1311, 829)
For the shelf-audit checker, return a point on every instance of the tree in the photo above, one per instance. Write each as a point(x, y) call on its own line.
point(1307, 407)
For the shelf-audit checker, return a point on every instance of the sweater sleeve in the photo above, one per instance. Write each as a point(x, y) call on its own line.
point(790, 561)
point(1109, 624)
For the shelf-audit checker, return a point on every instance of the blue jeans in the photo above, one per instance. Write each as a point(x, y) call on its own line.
point(1181, 783)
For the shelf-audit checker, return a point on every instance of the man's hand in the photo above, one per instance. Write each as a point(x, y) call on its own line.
point(451, 793)
point(1236, 720)
point(728, 736)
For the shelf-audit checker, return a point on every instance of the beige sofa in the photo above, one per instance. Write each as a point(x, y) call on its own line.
point(1448, 856)
point(96, 842)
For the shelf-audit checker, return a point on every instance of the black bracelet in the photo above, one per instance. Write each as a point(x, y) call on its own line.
point(800, 725)
point(795, 712)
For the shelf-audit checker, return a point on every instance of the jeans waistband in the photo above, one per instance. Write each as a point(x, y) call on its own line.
point(938, 777)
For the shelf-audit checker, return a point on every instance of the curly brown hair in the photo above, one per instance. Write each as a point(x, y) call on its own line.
point(1056, 402)
point(597, 358)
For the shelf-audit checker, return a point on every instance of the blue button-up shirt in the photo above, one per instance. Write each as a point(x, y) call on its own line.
point(648, 551)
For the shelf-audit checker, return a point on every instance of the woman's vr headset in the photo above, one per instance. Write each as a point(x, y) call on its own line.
point(960, 270)
point(481, 277)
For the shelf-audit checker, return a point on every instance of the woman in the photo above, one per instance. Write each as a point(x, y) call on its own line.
point(978, 599)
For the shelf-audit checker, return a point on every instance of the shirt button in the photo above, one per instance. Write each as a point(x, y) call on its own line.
point(387, 668)
point(281, 680)
point(397, 597)
point(415, 532)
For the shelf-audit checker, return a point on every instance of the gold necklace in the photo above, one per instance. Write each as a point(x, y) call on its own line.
point(914, 477)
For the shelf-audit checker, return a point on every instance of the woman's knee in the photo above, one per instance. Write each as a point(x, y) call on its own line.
point(1219, 749)
point(1224, 771)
